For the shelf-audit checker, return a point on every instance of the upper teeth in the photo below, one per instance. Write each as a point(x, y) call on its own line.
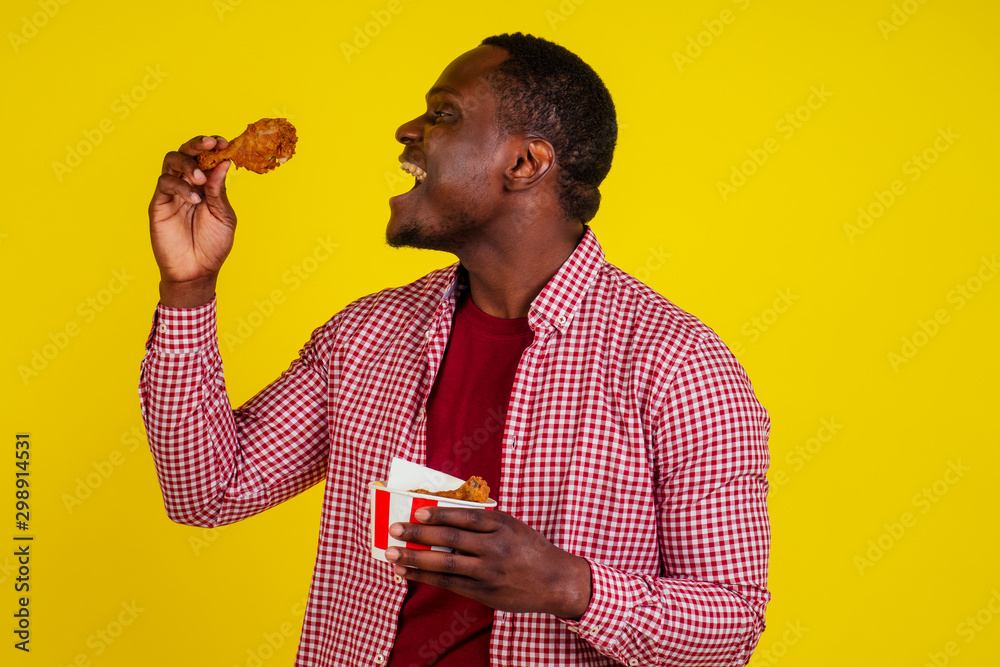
point(413, 169)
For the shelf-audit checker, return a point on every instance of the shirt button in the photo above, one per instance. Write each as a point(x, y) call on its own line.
point(572, 629)
point(379, 659)
point(561, 319)
point(398, 579)
point(163, 328)
point(633, 662)
point(422, 413)
point(429, 334)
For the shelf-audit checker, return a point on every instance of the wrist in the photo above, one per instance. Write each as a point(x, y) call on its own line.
point(188, 293)
point(576, 589)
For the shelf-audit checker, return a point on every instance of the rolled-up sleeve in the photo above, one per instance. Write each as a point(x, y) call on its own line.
point(707, 606)
point(217, 465)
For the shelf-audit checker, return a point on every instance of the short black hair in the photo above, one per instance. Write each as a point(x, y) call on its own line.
point(546, 89)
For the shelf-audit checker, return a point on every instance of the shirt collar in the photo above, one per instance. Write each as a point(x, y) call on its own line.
point(559, 300)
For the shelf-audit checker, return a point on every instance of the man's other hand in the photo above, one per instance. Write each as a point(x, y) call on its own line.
point(500, 561)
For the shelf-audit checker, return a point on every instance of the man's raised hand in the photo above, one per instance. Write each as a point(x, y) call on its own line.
point(191, 224)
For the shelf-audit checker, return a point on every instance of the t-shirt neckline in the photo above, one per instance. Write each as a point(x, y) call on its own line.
point(488, 324)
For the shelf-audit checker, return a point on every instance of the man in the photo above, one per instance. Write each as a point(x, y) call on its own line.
point(625, 445)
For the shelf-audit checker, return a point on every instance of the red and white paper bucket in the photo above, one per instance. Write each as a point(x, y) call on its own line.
point(389, 506)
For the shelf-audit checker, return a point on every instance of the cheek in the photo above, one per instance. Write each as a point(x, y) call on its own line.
point(469, 175)
point(459, 159)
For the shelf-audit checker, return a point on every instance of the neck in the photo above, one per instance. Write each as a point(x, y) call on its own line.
point(506, 274)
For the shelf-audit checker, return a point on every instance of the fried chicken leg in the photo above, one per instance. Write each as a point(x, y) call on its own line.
point(476, 490)
point(262, 147)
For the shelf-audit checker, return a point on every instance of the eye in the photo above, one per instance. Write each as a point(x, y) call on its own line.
point(440, 114)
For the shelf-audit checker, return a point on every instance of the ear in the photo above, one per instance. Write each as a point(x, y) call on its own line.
point(530, 160)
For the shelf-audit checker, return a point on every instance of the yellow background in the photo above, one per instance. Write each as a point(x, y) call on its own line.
point(778, 243)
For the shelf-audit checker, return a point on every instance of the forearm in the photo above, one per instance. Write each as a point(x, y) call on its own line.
point(705, 605)
point(217, 465)
point(187, 415)
point(669, 621)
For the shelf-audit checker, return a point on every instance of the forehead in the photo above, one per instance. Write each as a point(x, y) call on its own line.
point(465, 76)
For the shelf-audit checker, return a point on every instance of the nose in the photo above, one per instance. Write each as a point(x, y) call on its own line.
point(411, 131)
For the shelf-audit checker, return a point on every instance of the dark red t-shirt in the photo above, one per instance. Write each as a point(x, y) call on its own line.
point(466, 411)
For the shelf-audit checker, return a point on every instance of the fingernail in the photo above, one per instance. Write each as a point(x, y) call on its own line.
point(392, 554)
point(195, 199)
point(199, 172)
point(395, 530)
point(399, 569)
point(422, 514)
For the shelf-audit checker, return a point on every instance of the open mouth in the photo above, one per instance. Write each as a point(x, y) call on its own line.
point(414, 171)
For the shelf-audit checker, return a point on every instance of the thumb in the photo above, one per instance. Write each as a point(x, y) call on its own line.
point(215, 192)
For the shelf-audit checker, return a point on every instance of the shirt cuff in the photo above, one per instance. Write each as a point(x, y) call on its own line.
point(620, 605)
point(183, 330)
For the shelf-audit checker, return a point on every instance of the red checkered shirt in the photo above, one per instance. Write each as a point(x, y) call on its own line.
point(633, 439)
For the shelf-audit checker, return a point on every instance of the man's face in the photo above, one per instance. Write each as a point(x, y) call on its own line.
point(455, 144)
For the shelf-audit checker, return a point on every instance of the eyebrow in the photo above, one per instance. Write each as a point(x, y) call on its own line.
point(443, 89)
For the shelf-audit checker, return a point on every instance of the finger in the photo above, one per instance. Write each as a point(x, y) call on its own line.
point(198, 144)
point(457, 583)
point(437, 536)
point(215, 193)
point(478, 520)
point(169, 186)
point(456, 566)
point(451, 582)
point(185, 166)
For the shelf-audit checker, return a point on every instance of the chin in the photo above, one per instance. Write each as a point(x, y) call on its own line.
point(408, 234)
point(448, 234)
point(404, 239)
